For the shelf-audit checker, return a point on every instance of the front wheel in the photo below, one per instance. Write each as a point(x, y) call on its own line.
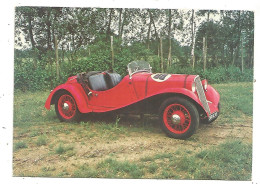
point(179, 117)
point(66, 108)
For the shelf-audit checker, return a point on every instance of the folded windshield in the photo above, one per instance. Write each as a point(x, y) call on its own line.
point(138, 66)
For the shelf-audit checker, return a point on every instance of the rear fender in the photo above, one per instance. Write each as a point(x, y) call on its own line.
point(75, 90)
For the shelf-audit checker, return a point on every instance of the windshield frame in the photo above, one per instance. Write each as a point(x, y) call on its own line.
point(138, 66)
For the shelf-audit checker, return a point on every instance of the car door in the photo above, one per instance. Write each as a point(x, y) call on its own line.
point(119, 96)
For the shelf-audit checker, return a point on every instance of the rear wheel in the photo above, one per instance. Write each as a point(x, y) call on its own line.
point(179, 117)
point(66, 108)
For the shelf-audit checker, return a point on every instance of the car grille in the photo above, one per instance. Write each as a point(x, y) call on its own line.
point(201, 94)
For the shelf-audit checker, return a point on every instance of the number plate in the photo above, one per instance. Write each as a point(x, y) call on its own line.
point(213, 116)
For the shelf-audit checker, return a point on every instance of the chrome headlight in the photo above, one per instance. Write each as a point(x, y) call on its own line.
point(193, 87)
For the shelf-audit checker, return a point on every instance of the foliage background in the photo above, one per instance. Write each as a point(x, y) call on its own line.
point(170, 40)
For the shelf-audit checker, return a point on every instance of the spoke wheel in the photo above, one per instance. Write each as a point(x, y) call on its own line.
point(179, 117)
point(66, 108)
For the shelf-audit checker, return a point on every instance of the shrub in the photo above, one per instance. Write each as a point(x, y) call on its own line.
point(219, 74)
point(32, 78)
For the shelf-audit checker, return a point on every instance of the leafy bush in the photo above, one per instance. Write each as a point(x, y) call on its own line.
point(219, 74)
point(97, 57)
point(30, 78)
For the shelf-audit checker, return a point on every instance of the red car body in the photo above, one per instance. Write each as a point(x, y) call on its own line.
point(141, 87)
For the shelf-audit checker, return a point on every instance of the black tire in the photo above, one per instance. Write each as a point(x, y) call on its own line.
point(206, 121)
point(69, 113)
point(179, 118)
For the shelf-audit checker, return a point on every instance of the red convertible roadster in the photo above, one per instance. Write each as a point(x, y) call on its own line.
point(181, 101)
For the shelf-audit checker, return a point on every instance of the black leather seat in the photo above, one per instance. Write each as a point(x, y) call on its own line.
point(103, 81)
point(97, 82)
point(113, 79)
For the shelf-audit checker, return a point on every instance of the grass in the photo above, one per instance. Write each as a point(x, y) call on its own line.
point(74, 146)
point(61, 149)
point(111, 168)
point(152, 168)
point(19, 145)
point(231, 161)
point(42, 140)
point(215, 163)
point(236, 98)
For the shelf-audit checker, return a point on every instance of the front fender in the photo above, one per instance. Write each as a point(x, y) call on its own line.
point(182, 91)
point(212, 95)
point(75, 90)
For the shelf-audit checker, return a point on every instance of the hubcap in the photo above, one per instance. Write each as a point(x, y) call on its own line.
point(65, 106)
point(176, 119)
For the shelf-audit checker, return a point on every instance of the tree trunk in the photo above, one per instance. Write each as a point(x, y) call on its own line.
point(32, 40)
point(148, 34)
point(234, 57)
point(239, 35)
point(123, 24)
point(51, 71)
point(57, 57)
point(112, 53)
point(151, 18)
point(109, 23)
point(30, 31)
point(193, 40)
point(48, 23)
point(242, 55)
point(161, 48)
point(89, 51)
point(204, 54)
point(206, 38)
point(119, 23)
point(169, 40)
point(62, 49)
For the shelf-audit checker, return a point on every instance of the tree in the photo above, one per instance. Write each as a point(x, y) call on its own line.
point(193, 38)
point(169, 39)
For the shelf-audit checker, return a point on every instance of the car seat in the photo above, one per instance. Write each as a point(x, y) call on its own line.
point(97, 82)
point(113, 79)
point(101, 81)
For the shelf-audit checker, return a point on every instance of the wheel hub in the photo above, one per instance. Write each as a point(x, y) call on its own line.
point(65, 106)
point(176, 119)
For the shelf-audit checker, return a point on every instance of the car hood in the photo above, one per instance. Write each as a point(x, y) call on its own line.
point(162, 80)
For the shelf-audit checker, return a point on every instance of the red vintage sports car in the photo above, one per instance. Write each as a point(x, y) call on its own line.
point(182, 101)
